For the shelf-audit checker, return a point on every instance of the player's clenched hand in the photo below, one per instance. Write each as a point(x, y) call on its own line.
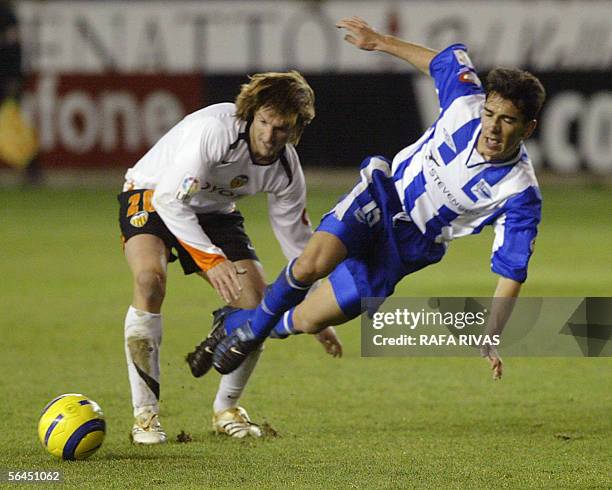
point(224, 278)
point(361, 34)
point(495, 361)
point(331, 342)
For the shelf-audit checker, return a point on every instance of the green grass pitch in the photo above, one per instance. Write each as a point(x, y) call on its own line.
point(353, 422)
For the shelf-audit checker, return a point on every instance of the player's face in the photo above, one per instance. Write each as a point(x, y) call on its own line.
point(268, 135)
point(503, 128)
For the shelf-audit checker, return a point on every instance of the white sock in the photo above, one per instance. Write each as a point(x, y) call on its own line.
point(143, 335)
point(232, 385)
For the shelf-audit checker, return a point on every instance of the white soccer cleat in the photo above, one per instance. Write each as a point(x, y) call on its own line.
point(235, 422)
point(148, 430)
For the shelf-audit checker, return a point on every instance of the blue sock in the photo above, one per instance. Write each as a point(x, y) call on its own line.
point(284, 293)
point(284, 327)
point(235, 319)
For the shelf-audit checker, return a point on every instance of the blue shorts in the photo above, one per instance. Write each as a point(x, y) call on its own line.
point(383, 244)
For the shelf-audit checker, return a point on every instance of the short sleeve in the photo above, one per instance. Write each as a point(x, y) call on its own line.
point(454, 75)
point(516, 229)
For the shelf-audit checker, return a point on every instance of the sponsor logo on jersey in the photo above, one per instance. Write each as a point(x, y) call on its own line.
point(446, 192)
point(432, 158)
point(189, 186)
point(139, 219)
point(217, 189)
point(239, 181)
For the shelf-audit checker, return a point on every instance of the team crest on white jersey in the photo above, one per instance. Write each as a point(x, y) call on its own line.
point(239, 181)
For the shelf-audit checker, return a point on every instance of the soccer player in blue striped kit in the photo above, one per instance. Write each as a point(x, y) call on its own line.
point(468, 170)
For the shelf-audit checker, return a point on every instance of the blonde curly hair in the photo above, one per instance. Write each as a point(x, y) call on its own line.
point(288, 94)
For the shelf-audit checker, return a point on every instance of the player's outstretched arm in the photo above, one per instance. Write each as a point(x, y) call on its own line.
point(365, 37)
point(505, 295)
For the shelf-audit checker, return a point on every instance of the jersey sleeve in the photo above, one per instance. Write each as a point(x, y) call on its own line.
point(198, 147)
point(515, 233)
point(454, 75)
point(287, 211)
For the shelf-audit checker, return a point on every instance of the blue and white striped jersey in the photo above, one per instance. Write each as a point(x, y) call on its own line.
point(449, 190)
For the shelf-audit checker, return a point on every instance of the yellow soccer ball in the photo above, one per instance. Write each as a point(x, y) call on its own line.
point(72, 426)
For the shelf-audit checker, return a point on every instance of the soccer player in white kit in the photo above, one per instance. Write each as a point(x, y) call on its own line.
point(470, 169)
point(179, 201)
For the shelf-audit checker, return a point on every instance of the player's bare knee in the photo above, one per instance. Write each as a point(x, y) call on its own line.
point(321, 255)
point(151, 285)
point(308, 269)
point(303, 270)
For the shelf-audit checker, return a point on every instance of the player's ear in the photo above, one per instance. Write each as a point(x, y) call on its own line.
point(530, 128)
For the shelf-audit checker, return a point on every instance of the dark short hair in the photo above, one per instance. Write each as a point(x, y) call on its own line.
point(521, 87)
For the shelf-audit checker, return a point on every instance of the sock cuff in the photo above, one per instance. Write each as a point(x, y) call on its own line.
point(287, 322)
point(143, 324)
point(291, 280)
point(284, 328)
point(142, 313)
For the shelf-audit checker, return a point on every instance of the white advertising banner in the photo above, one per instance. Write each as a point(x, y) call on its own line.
point(245, 36)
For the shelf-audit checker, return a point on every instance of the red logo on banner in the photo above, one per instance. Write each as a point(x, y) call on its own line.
point(106, 120)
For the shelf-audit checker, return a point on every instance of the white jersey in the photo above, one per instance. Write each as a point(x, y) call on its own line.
point(449, 190)
point(204, 165)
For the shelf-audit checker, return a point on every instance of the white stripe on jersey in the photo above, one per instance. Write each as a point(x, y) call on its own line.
point(499, 233)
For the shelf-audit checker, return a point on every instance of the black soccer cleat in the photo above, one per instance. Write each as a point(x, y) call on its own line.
point(235, 348)
point(201, 359)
